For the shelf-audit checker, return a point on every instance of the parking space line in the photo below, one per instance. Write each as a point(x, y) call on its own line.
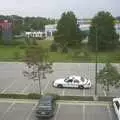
point(8, 109)
point(29, 115)
point(109, 112)
point(104, 92)
point(88, 103)
point(49, 82)
point(33, 108)
point(26, 87)
point(58, 110)
point(9, 86)
point(83, 111)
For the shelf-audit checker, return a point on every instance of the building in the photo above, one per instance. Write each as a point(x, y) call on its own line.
point(35, 34)
point(117, 27)
point(6, 31)
point(50, 30)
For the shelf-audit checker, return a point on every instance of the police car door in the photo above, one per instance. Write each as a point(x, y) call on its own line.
point(76, 83)
point(70, 83)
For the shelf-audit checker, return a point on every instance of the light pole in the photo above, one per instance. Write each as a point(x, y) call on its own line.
point(96, 58)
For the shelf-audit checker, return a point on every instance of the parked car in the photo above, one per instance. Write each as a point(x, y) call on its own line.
point(72, 82)
point(116, 105)
point(46, 107)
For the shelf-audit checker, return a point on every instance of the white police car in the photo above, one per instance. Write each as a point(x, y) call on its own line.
point(72, 82)
point(116, 105)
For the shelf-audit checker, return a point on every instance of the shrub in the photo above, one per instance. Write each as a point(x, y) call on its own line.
point(53, 47)
point(79, 98)
point(34, 96)
point(105, 98)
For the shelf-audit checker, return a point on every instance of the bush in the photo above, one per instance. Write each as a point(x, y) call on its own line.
point(34, 96)
point(13, 96)
point(56, 97)
point(105, 98)
point(21, 96)
point(65, 50)
point(79, 98)
point(54, 47)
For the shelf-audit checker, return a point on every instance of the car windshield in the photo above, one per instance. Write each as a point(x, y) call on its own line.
point(66, 79)
point(44, 106)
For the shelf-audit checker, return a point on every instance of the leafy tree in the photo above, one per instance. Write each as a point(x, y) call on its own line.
point(68, 33)
point(102, 28)
point(36, 59)
point(109, 76)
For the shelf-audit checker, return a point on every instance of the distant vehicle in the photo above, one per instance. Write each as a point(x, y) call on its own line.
point(46, 107)
point(116, 104)
point(72, 82)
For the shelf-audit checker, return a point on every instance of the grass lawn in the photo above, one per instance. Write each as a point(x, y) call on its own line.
point(7, 53)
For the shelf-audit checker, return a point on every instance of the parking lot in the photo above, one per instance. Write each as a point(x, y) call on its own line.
point(25, 110)
point(12, 79)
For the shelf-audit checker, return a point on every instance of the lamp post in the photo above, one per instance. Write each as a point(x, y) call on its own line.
point(96, 59)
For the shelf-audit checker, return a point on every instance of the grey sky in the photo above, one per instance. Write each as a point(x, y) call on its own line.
point(54, 8)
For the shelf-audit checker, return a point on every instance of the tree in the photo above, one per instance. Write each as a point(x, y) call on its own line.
point(36, 59)
point(102, 28)
point(68, 33)
point(109, 76)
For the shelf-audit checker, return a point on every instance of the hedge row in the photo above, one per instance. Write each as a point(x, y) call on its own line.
point(57, 97)
point(21, 96)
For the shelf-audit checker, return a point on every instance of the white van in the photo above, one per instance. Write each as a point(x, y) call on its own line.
point(116, 104)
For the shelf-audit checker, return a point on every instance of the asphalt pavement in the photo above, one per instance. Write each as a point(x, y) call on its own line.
point(25, 110)
point(12, 79)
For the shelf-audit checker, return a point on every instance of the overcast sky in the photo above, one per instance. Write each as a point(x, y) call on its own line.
point(54, 8)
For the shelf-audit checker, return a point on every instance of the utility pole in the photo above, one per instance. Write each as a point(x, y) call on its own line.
point(96, 59)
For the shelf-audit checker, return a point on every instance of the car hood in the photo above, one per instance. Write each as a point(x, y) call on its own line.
point(61, 80)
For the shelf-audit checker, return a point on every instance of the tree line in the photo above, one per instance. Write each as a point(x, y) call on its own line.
point(21, 24)
point(102, 31)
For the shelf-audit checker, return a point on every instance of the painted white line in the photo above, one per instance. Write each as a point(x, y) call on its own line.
point(8, 109)
point(9, 86)
point(29, 115)
point(49, 81)
point(88, 103)
point(83, 111)
point(104, 92)
point(109, 112)
point(27, 86)
point(57, 112)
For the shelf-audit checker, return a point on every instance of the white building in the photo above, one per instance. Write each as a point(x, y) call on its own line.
point(50, 29)
point(34, 34)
